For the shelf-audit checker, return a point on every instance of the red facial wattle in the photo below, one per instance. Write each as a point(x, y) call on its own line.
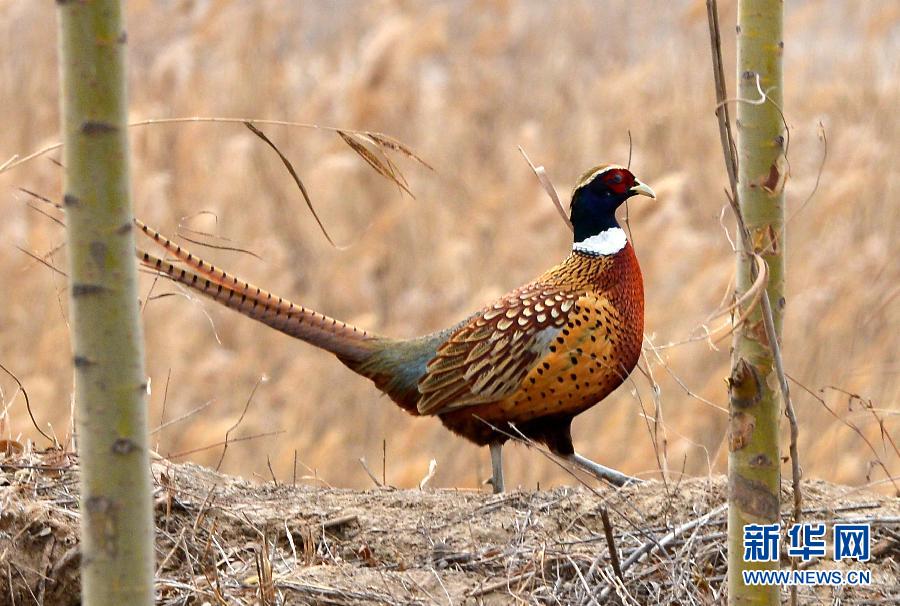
point(618, 180)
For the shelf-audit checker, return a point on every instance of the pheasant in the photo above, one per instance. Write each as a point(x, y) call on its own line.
point(536, 357)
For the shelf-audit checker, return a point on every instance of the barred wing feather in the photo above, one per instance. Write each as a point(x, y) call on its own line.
point(487, 358)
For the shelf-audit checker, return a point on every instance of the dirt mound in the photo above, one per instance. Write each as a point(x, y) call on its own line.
point(226, 540)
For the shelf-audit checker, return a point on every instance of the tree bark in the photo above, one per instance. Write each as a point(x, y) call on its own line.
point(754, 465)
point(110, 384)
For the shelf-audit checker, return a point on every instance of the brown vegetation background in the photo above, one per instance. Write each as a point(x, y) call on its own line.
point(464, 84)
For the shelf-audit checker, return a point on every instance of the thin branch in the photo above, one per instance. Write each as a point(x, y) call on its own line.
point(381, 139)
point(220, 246)
point(818, 174)
point(296, 178)
point(27, 404)
point(649, 546)
point(611, 544)
point(726, 137)
point(541, 173)
point(43, 262)
point(185, 453)
point(238, 422)
point(365, 466)
point(43, 199)
point(186, 415)
point(630, 148)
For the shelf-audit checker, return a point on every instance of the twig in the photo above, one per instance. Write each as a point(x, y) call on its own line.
point(271, 471)
point(237, 249)
point(726, 138)
point(296, 178)
point(611, 543)
point(589, 597)
point(630, 148)
point(652, 430)
point(818, 174)
point(9, 162)
point(649, 546)
point(28, 404)
point(658, 422)
point(628, 208)
point(46, 214)
point(868, 405)
point(162, 414)
point(186, 415)
point(365, 466)
point(201, 512)
point(380, 139)
point(238, 422)
point(45, 200)
point(503, 584)
point(432, 467)
point(655, 349)
point(254, 436)
point(185, 293)
point(541, 174)
point(853, 427)
point(43, 262)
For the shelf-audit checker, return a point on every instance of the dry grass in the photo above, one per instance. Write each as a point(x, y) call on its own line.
point(222, 540)
point(464, 88)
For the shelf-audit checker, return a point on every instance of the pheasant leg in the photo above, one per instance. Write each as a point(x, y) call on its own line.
point(496, 468)
point(616, 478)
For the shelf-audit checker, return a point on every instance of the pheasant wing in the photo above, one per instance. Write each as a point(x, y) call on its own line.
point(488, 357)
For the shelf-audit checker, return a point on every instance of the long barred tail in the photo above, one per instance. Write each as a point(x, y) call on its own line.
point(349, 343)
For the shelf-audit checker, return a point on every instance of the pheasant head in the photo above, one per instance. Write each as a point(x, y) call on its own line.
point(597, 195)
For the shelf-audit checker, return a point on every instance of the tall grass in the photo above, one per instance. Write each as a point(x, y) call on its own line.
point(464, 84)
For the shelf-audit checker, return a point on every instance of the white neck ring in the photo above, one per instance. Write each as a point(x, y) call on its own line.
point(607, 242)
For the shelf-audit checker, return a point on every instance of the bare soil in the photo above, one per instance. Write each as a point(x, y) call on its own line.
point(225, 540)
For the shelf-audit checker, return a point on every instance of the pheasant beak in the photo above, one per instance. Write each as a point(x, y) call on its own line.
point(642, 189)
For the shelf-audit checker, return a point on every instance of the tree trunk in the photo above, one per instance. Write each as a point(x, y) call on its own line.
point(755, 400)
point(110, 384)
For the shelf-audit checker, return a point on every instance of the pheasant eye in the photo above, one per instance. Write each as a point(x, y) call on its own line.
point(617, 178)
